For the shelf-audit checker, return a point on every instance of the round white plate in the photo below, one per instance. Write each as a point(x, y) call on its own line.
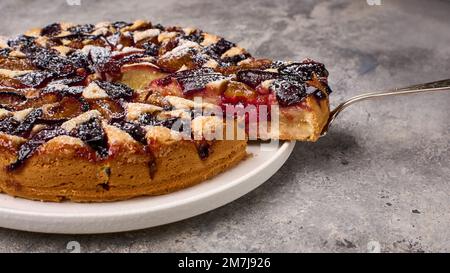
point(144, 212)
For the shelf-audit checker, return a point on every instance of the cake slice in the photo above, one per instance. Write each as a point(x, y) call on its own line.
point(291, 97)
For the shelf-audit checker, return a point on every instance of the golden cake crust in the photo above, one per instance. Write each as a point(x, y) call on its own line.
point(122, 177)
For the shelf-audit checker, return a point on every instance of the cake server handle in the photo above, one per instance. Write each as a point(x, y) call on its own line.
point(438, 86)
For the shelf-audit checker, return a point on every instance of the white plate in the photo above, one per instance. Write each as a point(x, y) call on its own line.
point(139, 213)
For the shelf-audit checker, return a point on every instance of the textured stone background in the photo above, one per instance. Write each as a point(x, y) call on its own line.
point(382, 174)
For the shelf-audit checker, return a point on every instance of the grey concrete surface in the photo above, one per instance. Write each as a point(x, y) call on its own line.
point(381, 175)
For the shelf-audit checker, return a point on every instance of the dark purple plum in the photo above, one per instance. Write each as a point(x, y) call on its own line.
point(4, 52)
point(148, 119)
point(73, 80)
point(192, 73)
point(159, 26)
point(80, 60)
point(196, 36)
point(27, 124)
point(92, 133)
point(192, 84)
point(175, 123)
point(51, 61)
point(81, 29)
point(236, 58)
point(27, 149)
point(51, 30)
point(8, 125)
point(151, 49)
point(255, 77)
point(120, 24)
point(63, 91)
point(196, 79)
point(99, 57)
point(21, 41)
point(203, 149)
point(288, 92)
point(305, 70)
point(116, 90)
point(219, 48)
point(277, 64)
point(35, 78)
point(135, 130)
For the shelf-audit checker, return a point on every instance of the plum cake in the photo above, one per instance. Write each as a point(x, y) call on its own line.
point(111, 111)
